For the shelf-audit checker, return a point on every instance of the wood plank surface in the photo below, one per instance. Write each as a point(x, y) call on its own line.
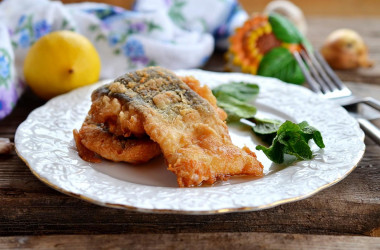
point(28, 207)
point(191, 240)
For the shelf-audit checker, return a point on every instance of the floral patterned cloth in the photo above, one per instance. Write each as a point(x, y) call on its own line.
point(171, 33)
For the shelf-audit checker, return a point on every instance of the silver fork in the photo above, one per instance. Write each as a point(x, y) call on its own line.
point(323, 81)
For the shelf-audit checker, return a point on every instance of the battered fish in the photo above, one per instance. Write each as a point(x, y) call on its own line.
point(108, 110)
point(107, 128)
point(204, 92)
point(187, 128)
point(93, 140)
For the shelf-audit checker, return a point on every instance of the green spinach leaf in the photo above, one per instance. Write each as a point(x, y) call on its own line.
point(235, 108)
point(284, 29)
point(233, 97)
point(310, 132)
point(240, 90)
point(266, 129)
point(280, 63)
point(292, 139)
point(287, 138)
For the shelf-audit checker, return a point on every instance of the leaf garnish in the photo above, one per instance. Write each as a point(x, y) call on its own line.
point(266, 129)
point(284, 29)
point(234, 98)
point(286, 138)
point(242, 91)
point(292, 139)
point(280, 63)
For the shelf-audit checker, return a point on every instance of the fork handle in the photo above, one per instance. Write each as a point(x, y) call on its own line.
point(369, 129)
point(372, 102)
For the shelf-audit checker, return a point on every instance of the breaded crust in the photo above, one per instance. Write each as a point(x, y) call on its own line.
point(189, 131)
point(109, 112)
point(93, 140)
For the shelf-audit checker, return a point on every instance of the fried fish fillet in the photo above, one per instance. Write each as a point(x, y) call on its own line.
point(188, 129)
point(105, 133)
point(107, 110)
point(204, 92)
point(96, 139)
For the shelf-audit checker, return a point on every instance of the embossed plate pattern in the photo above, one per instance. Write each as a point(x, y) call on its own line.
point(45, 142)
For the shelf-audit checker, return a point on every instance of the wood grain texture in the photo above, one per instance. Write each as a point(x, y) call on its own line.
point(196, 241)
point(25, 105)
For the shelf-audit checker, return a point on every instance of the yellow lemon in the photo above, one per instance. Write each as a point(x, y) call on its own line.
point(59, 62)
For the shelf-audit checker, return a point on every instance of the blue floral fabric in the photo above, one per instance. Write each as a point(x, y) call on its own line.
point(4, 66)
point(170, 33)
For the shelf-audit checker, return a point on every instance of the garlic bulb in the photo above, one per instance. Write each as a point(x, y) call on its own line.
point(345, 49)
point(290, 11)
point(5, 146)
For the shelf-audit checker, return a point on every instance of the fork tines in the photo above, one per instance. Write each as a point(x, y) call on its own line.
point(320, 76)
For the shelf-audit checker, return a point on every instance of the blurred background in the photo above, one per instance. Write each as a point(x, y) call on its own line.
point(322, 18)
point(351, 8)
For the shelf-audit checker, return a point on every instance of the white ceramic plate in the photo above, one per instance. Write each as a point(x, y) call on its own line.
point(45, 142)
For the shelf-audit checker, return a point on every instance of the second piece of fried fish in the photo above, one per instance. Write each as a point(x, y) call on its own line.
point(192, 137)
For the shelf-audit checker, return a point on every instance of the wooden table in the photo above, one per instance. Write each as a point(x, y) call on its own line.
point(342, 216)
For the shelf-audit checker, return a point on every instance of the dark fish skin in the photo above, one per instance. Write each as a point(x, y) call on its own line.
point(148, 84)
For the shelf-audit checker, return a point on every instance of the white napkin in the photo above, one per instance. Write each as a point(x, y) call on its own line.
point(171, 33)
